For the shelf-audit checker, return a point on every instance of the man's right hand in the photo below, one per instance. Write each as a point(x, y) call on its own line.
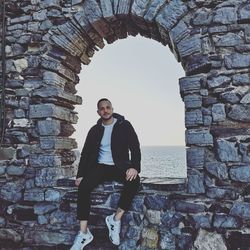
point(78, 181)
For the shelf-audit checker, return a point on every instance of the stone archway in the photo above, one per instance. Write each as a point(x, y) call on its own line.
point(46, 44)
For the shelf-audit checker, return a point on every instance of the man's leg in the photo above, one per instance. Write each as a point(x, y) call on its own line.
point(88, 183)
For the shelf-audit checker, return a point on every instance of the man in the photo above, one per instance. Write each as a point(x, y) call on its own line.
point(105, 156)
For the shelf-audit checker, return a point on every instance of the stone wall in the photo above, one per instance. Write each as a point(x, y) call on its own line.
point(47, 44)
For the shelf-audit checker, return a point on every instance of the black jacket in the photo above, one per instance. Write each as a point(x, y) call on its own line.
point(123, 139)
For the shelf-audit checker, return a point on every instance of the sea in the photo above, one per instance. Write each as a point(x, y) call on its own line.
point(162, 161)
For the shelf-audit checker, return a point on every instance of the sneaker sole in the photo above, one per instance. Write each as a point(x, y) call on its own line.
point(107, 223)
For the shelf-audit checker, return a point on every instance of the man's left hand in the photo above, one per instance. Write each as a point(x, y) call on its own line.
point(131, 174)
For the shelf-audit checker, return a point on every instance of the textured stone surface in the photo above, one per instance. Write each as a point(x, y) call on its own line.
point(48, 44)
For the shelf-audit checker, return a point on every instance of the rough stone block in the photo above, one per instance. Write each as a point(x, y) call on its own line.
point(49, 127)
point(195, 157)
point(241, 209)
point(218, 112)
point(240, 112)
point(199, 137)
point(196, 182)
point(227, 151)
point(193, 101)
point(237, 61)
point(51, 110)
point(34, 194)
point(240, 173)
point(217, 169)
point(193, 118)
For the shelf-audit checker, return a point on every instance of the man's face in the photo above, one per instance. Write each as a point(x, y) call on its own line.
point(105, 110)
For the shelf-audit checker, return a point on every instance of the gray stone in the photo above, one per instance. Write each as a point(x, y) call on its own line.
point(218, 112)
point(193, 101)
point(12, 191)
point(240, 112)
point(240, 173)
point(241, 209)
point(244, 13)
point(44, 208)
point(7, 153)
point(230, 97)
point(245, 152)
point(2, 170)
point(193, 118)
point(189, 46)
point(201, 221)
point(10, 234)
point(229, 40)
point(153, 9)
point(51, 110)
point(40, 15)
point(170, 14)
point(245, 99)
point(227, 151)
point(171, 219)
point(191, 83)
point(196, 182)
point(202, 17)
point(47, 177)
point(188, 207)
point(49, 237)
point(43, 160)
point(156, 202)
point(221, 193)
point(237, 61)
point(15, 170)
point(153, 216)
point(52, 195)
point(199, 137)
point(195, 157)
point(209, 240)
point(2, 222)
point(49, 127)
point(167, 240)
point(19, 113)
point(34, 194)
point(226, 15)
point(218, 81)
point(178, 32)
point(226, 221)
point(207, 120)
point(42, 219)
point(217, 169)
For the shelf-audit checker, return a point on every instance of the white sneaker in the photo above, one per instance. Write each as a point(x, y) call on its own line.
point(114, 227)
point(81, 240)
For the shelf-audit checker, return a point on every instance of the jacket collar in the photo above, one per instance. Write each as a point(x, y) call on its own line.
point(120, 119)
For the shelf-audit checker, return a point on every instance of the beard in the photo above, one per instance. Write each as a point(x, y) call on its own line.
point(107, 118)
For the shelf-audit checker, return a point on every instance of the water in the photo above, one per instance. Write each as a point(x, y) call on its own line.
point(163, 161)
point(160, 161)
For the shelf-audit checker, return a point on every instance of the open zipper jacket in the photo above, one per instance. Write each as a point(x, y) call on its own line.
point(123, 139)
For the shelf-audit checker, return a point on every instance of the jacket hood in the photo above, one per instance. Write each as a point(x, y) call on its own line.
point(120, 119)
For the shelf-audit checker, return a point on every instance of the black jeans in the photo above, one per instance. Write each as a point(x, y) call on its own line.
point(98, 174)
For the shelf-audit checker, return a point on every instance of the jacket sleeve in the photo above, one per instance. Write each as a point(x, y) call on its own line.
point(84, 156)
point(134, 147)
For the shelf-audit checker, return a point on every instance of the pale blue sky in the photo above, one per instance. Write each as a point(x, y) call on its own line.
point(140, 77)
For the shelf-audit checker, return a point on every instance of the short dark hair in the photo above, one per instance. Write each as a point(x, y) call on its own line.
point(103, 99)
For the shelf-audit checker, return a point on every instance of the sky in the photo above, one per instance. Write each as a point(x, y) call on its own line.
point(140, 77)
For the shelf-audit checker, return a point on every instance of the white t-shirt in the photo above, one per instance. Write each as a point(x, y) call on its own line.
point(105, 155)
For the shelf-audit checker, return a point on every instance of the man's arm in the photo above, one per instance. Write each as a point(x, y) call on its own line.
point(134, 147)
point(84, 156)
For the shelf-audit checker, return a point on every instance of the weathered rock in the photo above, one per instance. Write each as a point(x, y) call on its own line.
point(10, 234)
point(12, 191)
point(199, 137)
point(227, 151)
point(209, 240)
point(241, 209)
point(240, 173)
point(240, 113)
point(217, 169)
point(193, 101)
point(226, 15)
point(188, 207)
point(218, 81)
point(221, 193)
point(195, 157)
point(201, 221)
point(226, 221)
point(196, 182)
point(218, 112)
point(237, 61)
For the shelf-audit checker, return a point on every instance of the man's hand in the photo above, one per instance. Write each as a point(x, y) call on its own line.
point(78, 180)
point(131, 174)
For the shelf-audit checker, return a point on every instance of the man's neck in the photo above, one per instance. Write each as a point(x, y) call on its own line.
point(109, 121)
